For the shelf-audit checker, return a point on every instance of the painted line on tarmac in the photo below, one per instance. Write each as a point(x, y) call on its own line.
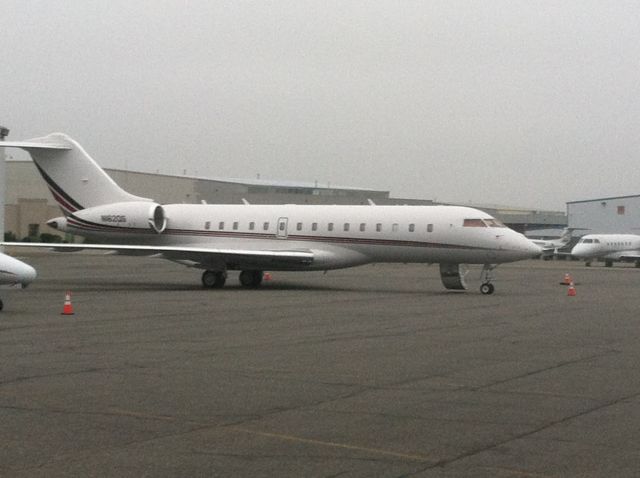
point(344, 446)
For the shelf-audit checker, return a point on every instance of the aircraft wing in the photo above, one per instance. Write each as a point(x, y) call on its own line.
point(195, 255)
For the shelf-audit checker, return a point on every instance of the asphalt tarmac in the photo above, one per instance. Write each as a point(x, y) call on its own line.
point(372, 371)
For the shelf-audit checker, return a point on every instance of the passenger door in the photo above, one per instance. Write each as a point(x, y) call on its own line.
point(282, 229)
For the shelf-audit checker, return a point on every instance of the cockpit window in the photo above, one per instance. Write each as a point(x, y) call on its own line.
point(474, 223)
point(491, 222)
point(494, 223)
point(587, 241)
point(596, 241)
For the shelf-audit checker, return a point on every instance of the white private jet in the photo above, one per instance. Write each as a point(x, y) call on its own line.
point(551, 246)
point(14, 273)
point(610, 247)
point(254, 238)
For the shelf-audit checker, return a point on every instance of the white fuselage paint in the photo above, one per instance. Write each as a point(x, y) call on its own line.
point(15, 272)
point(607, 246)
point(406, 234)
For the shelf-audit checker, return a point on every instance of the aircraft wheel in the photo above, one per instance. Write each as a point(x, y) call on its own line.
point(213, 279)
point(1, 305)
point(487, 288)
point(251, 278)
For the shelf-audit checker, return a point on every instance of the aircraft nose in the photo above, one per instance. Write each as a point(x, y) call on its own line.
point(579, 251)
point(27, 275)
point(533, 249)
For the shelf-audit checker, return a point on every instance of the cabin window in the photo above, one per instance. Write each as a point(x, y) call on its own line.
point(265, 226)
point(379, 227)
point(207, 225)
point(346, 226)
point(473, 223)
point(221, 225)
point(314, 226)
point(252, 226)
point(412, 227)
point(395, 227)
point(282, 225)
point(299, 226)
point(235, 225)
point(330, 226)
point(362, 227)
point(429, 227)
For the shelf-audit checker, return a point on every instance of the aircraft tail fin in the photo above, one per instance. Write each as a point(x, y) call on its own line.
point(73, 177)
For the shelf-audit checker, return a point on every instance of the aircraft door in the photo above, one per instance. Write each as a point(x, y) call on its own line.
point(282, 230)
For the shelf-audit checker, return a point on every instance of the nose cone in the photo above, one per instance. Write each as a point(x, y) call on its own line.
point(59, 223)
point(27, 275)
point(13, 271)
point(523, 248)
point(514, 246)
point(581, 251)
point(530, 248)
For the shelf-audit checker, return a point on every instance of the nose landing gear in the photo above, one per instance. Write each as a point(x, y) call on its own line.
point(486, 276)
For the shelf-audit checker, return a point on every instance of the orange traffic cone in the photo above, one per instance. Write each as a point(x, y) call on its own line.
point(571, 291)
point(567, 279)
point(68, 308)
point(267, 276)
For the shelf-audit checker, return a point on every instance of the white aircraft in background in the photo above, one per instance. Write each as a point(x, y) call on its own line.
point(254, 238)
point(14, 273)
point(610, 247)
point(551, 246)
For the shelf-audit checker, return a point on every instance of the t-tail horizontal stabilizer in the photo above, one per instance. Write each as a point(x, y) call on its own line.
point(74, 178)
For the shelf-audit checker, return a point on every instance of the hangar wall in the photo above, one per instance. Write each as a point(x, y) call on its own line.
point(610, 215)
point(29, 204)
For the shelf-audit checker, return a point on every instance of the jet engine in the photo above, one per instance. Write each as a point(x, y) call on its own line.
point(132, 215)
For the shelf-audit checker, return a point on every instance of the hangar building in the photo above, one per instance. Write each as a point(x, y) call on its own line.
point(611, 215)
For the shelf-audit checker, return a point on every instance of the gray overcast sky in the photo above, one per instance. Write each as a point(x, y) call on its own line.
point(522, 103)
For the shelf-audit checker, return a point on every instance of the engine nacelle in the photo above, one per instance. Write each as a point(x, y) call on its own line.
point(131, 215)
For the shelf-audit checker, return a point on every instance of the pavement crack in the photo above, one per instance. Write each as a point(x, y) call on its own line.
point(529, 433)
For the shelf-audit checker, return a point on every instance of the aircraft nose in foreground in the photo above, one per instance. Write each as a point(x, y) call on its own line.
point(527, 247)
point(13, 271)
point(27, 275)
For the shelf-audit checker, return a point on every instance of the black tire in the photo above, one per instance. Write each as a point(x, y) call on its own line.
point(213, 279)
point(487, 289)
point(251, 278)
point(1, 305)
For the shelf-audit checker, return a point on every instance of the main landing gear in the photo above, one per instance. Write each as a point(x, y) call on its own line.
point(486, 276)
point(251, 278)
point(214, 279)
point(217, 279)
